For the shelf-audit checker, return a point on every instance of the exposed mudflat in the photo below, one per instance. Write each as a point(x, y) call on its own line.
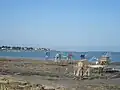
point(53, 75)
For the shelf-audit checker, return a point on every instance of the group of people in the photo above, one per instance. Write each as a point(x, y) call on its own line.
point(58, 56)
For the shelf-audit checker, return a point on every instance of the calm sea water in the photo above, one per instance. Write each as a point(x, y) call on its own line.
point(40, 55)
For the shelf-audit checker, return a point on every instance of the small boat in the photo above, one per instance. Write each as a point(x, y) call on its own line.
point(105, 59)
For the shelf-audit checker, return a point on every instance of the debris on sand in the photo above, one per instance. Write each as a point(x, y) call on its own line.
point(10, 83)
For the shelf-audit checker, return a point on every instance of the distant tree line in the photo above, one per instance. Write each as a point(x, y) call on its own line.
point(20, 48)
point(16, 48)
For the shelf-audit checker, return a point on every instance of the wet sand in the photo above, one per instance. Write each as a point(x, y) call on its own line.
point(51, 74)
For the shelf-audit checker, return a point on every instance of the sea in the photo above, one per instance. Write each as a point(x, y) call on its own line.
point(40, 55)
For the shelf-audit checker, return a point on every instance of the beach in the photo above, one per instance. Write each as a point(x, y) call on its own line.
point(52, 75)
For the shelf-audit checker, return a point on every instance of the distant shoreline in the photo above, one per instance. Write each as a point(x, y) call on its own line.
point(22, 51)
point(19, 48)
point(42, 59)
point(21, 58)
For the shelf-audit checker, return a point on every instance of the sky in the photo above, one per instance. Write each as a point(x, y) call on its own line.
point(61, 24)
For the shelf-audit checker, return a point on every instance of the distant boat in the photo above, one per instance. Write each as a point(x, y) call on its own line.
point(107, 54)
point(106, 58)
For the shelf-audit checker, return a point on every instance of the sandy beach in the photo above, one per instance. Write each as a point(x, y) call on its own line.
point(50, 74)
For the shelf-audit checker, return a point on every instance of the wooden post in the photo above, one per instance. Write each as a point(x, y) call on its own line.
point(78, 72)
point(82, 73)
point(87, 72)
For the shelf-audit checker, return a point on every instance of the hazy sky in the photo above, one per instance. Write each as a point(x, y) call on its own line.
point(61, 24)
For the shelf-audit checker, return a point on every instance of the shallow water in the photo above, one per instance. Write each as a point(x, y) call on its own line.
point(41, 55)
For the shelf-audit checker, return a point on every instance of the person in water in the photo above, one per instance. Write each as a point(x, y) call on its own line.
point(70, 56)
point(56, 57)
point(47, 55)
point(60, 56)
point(82, 56)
